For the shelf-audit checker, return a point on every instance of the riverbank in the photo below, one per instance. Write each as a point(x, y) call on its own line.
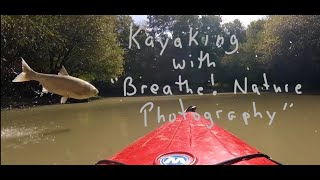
point(8, 103)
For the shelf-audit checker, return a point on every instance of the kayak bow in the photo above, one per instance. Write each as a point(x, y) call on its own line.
point(189, 142)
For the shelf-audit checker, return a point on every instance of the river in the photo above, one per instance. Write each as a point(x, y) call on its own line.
point(85, 133)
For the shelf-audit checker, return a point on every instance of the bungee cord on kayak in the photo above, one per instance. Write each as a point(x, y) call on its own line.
point(227, 162)
point(246, 157)
point(109, 162)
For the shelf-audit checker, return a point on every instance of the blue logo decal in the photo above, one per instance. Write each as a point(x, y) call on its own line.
point(175, 159)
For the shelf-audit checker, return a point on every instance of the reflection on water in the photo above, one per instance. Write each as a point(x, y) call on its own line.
point(87, 132)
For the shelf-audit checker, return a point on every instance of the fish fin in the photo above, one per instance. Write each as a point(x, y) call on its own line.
point(44, 90)
point(63, 100)
point(63, 71)
point(22, 77)
point(26, 73)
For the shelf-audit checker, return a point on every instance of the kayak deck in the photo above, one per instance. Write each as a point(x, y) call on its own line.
point(190, 141)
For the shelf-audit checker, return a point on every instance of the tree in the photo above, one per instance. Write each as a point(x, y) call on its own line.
point(86, 45)
point(245, 62)
point(291, 44)
point(76, 41)
point(179, 26)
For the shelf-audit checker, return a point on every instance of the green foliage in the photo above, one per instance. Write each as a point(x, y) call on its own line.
point(95, 48)
point(291, 44)
point(245, 62)
point(292, 35)
point(83, 44)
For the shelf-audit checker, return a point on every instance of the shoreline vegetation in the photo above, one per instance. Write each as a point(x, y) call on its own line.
point(168, 51)
point(23, 103)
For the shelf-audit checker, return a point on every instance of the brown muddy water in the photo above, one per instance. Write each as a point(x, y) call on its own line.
point(88, 132)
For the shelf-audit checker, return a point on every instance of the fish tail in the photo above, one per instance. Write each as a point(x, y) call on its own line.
point(26, 75)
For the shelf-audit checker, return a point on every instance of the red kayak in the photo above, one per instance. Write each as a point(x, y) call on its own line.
point(189, 142)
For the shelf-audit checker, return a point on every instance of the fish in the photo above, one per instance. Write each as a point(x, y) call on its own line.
point(61, 84)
